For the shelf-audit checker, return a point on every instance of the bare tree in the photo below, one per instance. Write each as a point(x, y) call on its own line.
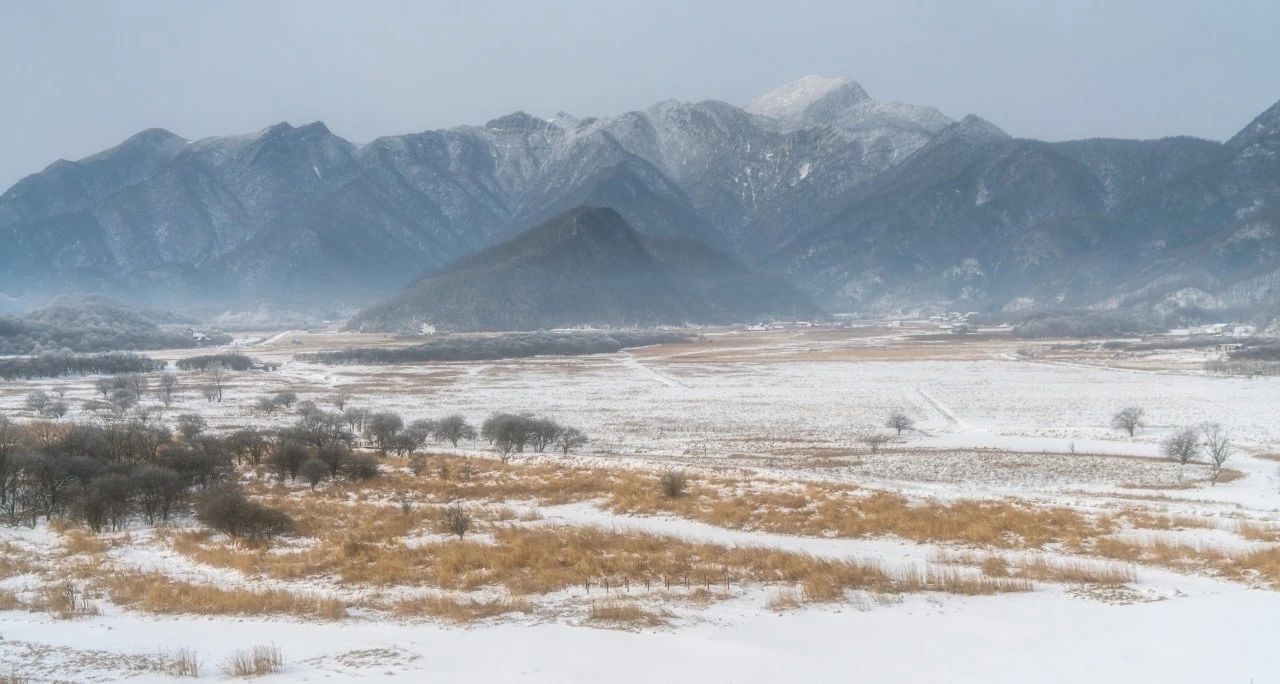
point(339, 400)
point(167, 389)
point(900, 421)
point(217, 380)
point(1217, 447)
point(382, 430)
point(454, 428)
point(455, 520)
point(1181, 447)
point(1128, 419)
point(570, 439)
point(313, 471)
point(37, 401)
point(191, 425)
point(55, 410)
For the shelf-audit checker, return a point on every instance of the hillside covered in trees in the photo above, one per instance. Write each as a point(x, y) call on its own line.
point(98, 324)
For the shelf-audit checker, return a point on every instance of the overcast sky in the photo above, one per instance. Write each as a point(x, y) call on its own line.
point(81, 76)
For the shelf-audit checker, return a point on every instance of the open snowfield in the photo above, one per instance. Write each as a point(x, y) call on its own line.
point(746, 415)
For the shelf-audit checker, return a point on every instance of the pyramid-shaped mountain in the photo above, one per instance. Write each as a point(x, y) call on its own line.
point(586, 267)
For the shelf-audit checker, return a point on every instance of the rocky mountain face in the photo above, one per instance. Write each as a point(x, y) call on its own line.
point(586, 267)
point(867, 205)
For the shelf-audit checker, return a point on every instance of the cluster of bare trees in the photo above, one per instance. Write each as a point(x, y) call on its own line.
point(511, 433)
point(103, 475)
point(230, 361)
point(1209, 441)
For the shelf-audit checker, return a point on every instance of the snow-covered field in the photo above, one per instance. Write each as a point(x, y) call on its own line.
point(988, 426)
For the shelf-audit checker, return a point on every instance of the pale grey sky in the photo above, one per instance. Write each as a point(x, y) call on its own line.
point(81, 76)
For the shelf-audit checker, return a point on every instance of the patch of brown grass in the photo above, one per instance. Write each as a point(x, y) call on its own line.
point(829, 510)
point(1229, 475)
point(1161, 521)
point(64, 600)
point(15, 561)
point(1258, 532)
point(254, 662)
point(458, 611)
point(626, 615)
point(158, 593)
point(9, 600)
point(1075, 572)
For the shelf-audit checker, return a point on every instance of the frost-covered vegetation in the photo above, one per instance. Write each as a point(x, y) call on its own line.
point(1084, 324)
point(58, 364)
point(96, 324)
point(235, 362)
point(510, 345)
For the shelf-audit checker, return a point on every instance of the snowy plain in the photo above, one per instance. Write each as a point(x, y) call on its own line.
point(988, 426)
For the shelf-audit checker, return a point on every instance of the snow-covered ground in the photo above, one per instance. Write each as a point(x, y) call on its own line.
point(987, 427)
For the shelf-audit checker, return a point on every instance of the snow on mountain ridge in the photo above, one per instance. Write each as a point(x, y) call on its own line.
point(792, 100)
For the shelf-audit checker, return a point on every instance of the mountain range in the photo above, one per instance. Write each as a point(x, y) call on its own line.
point(864, 205)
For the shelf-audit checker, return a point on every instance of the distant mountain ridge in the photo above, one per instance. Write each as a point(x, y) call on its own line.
point(586, 267)
point(868, 206)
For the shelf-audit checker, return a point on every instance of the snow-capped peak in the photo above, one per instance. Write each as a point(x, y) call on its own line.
point(791, 101)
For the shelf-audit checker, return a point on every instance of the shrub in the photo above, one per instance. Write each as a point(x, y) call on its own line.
point(255, 662)
point(673, 483)
point(362, 467)
point(229, 512)
point(455, 520)
point(235, 362)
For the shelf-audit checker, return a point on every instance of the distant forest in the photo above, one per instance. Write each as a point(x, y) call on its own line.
point(507, 346)
point(57, 364)
point(1085, 324)
point(97, 324)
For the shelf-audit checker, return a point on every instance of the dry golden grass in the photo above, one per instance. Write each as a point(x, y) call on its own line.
point(831, 510)
point(953, 581)
point(809, 509)
point(539, 560)
point(157, 593)
point(254, 662)
point(1258, 532)
point(76, 541)
point(1160, 521)
point(64, 600)
point(15, 561)
point(1063, 571)
point(626, 615)
point(1229, 475)
point(9, 600)
point(183, 663)
point(785, 599)
point(458, 611)
point(1075, 572)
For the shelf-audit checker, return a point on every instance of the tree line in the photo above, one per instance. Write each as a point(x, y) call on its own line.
point(509, 345)
point(59, 364)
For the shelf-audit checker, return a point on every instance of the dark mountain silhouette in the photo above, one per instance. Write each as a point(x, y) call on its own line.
point(586, 267)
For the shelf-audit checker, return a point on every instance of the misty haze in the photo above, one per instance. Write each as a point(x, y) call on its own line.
point(585, 343)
